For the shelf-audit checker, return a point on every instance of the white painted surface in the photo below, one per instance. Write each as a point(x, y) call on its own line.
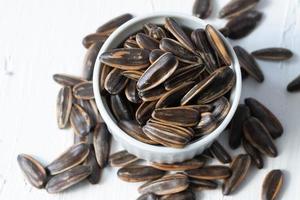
point(40, 38)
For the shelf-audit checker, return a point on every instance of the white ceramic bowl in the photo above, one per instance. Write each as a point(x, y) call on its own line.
point(150, 152)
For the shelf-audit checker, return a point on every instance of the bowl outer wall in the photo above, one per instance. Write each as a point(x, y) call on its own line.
point(150, 152)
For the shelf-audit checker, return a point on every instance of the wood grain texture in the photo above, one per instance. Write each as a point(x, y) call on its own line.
point(40, 38)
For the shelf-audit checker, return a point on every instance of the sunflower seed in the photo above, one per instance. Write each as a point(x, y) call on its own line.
point(104, 71)
point(132, 93)
point(91, 109)
point(258, 136)
point(122, 159)
point(148, 196)
point(67, 80)
point(67, 179)
point(254, 153)
point(90, 59)
point(33, 170)
point(276, 54)
point(63, 106)
point(133, 75)
point(248, 63)
point(218, 44)
point(180, 116)
point(243, 25)
point(144, 111)
point(237, 7)
point(221, 108)
point(154, 31)
point(213, 87)
point(81, 139)
point(126, 59)
point(220, 153)
point(84, 90)
point(272, 185)
point(115, 82)
point(133, 129)
point(294, 85)
point(158, 72)
point(268, 119)
point(201, 108)
point(184, 195)
point(201, 184)
point(185, 165)
point(202, 8)
point(204, 48)
point(212, 172)
point(155, 54)
point(101, 142)
point(121, 108)
point(80, 120)
point(72, 157)
point(190, 74)
point(168, 135)
point(236, 125)
point(172, 97)
point(206, 125)
point(183, 54)
point(90, 39)
point(152, 94)
point(239, 167)
point(168, 184)
point(146, 42)
point(139, 173)
point(113, 24)
point(131, 43)
point(91, 161)
point(172, 26)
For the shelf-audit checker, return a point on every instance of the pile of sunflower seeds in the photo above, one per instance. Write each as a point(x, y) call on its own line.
point(254, 125)
point(165, 80)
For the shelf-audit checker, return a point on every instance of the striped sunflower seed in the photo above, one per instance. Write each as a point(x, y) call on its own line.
point(133, 129)
point(101, 141)
point(33, 170)
point(64, 106)
point(111, 25)
point(90, 60)
point(131, 43)
point(236, 125)
point(154, 31)
point(139, 173)
point(168, 135)
point(122, 159)
point(168, 184)
point(115, 82)
point(213, 87)
point(206, 125)
point(91, 161)
point(212, 172)
point(104, 71)
point(235, 8)
point(273, 53)
point(80, 120)
point(220, 153)
point(126, 59)
point(131, 92)
point(258, 136)
point(67, 80)
point(144, 111)
point(239, 167)
point(155, 54)
point(248, 63)
point(158, 72)
point(84, 90)
point(180, 116)
point(221, 108)
point(268, 119)
point(91, 109)
point(146, 42)
point(172, 26)
point(90, 39)
point(133, 75)
point(202, 184)
point(272, 185)
point(152, 94)
point(202, 8)
point(254, 153)
point(72, 157)
point(121, 108)
point(182, 166)
point(68, 178)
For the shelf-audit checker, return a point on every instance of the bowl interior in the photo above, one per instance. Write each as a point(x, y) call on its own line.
point(122, 33)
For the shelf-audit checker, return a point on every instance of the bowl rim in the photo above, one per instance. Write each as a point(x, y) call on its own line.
point(116, 130)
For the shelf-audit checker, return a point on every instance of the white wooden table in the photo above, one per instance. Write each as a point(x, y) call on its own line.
point(40, 38)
